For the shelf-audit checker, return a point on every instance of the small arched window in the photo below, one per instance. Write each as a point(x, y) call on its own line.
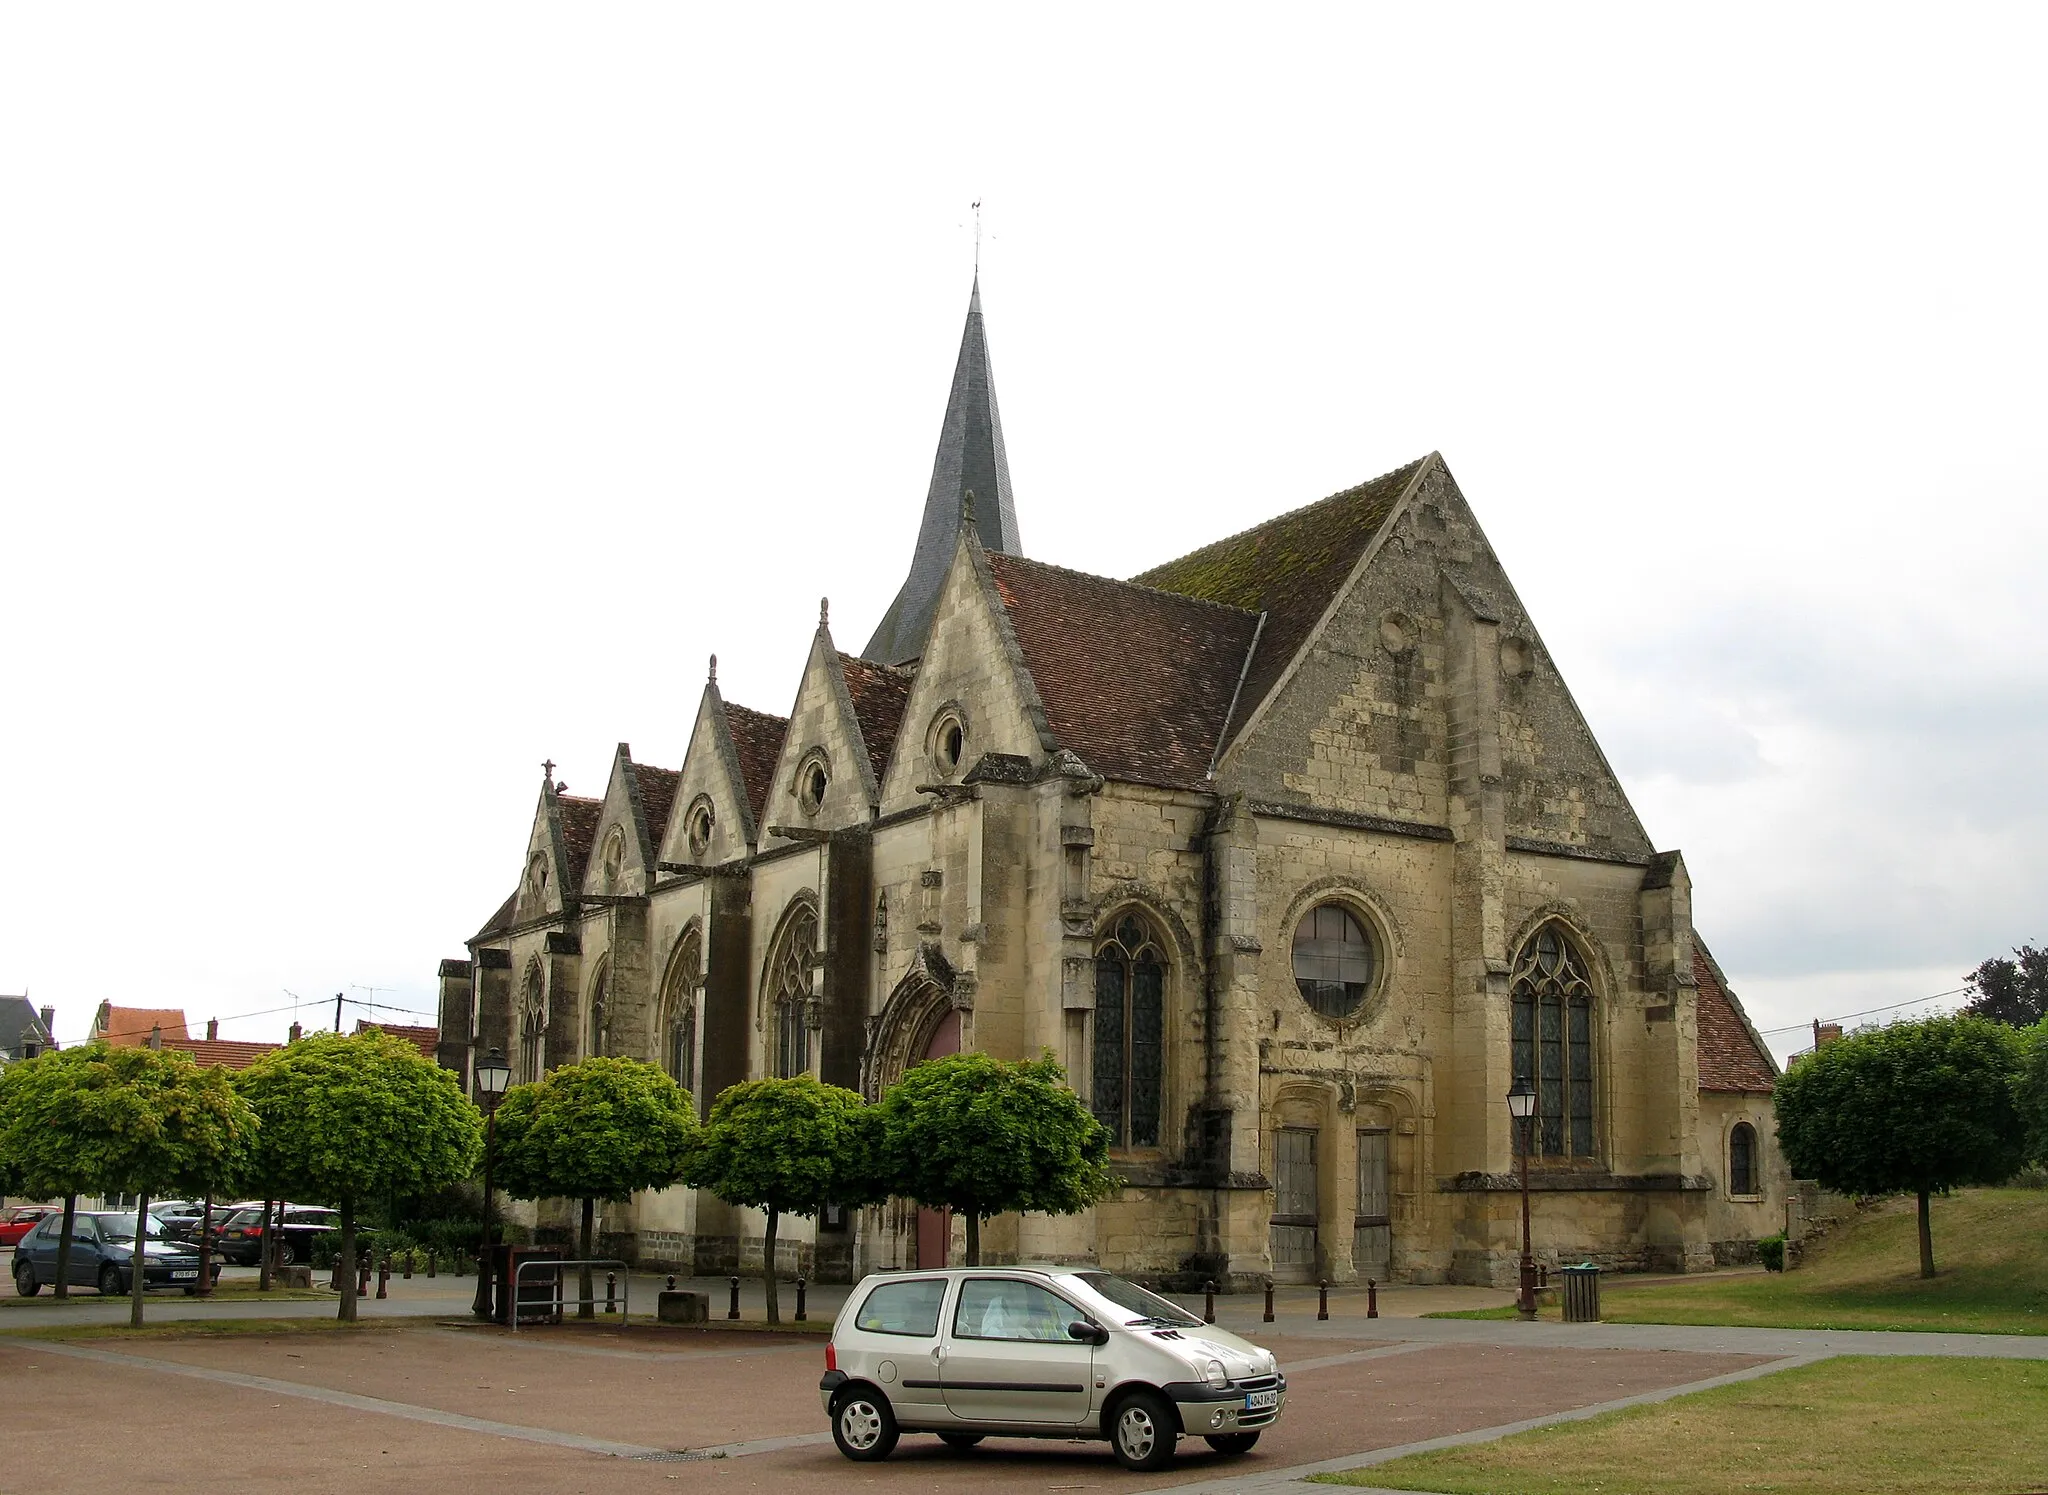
point(789, 991)
point(1742, 1159)
point(533, 1026)
point(1553, 1041)
point(1130, 1033)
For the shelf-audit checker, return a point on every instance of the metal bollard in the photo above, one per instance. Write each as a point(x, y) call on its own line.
point(734, 1311)
point(432, 1260)
point(1209, 1302)
point(611, 1292)
point(1372, 1299)
point(408, 1263)
point(799, 1300)
point(671, 1281)
point(1269, 1300)
point(1323, 1301)
point(384, 1276)
point(363, 1273)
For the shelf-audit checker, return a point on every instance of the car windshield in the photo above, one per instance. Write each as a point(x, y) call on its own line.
point(122, 1227)
point(1150, 1307)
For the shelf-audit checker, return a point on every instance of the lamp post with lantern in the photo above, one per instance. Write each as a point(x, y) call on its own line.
point(492, 1076)
point(1522, 1106)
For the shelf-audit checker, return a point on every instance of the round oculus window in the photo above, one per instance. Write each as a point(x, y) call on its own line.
point(811, 781)
point(1334, 960)
point(949, 744)
point(697, 830)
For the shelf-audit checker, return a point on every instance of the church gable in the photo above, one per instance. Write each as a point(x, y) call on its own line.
point(714, 803)
point(622, 852)
point(557, 849)
point(824, 776)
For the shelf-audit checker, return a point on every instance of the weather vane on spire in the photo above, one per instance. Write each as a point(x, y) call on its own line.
point(977, 238)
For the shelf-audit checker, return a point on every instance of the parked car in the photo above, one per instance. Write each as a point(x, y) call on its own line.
point(1039, 1352)
point(103, 1255)
point(20, 1220)
point(239, 1238)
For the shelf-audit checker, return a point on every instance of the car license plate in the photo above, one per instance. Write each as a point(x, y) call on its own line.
point(1259, 1401)
point(176, 1275)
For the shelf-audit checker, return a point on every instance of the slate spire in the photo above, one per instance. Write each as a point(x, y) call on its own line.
point(970, 459)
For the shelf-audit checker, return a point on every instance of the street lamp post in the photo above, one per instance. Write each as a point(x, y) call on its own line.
point(492, 1075)
point(1522, 1106)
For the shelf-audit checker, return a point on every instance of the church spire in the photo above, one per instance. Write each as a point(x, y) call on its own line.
point(970, 457)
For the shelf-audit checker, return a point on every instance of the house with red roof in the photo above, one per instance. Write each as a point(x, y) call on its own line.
point(1295, 850)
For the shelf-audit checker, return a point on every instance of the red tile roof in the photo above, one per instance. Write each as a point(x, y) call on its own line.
point(657, 797)
point(1732, 1057)
point(426, 1040)
point(1291, 568)
point(232, 1052)
point(879, 695)
point(757, 737)
point(579, 832)
point(129, 1027)
point(1134, 680)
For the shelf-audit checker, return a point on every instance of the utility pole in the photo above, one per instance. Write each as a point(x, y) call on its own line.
point(337, 1012)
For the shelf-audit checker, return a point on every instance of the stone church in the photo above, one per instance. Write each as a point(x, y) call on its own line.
point(1296, 852)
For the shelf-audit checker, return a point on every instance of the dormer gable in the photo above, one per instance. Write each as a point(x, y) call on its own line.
point(632, 816)
point(557, 848)
point(826, 776)
point(715, 802)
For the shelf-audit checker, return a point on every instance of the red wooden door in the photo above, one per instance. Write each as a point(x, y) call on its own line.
point(935, 1226)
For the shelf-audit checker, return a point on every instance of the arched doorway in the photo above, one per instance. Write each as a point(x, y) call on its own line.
point(935, 1226)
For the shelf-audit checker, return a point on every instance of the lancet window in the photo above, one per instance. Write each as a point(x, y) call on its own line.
point(533, 1026)
point(789, 991)
point(1130, 1033)
point(1553, 1041)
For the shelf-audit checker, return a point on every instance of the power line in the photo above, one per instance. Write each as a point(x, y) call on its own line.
point(1867, 1012)
point(268, 1012)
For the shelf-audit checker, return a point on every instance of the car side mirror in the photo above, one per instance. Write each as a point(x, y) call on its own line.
point(1087, 1333)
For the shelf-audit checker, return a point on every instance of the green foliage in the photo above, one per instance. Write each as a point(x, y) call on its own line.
point(348, 1119)
point(601, 1129)
point(1915, 1106)
point(1771, 1252)
point(2014, 992)
point(787, 1145)
point(985, 1137)
point(99, 1120)
point(2030, 1092)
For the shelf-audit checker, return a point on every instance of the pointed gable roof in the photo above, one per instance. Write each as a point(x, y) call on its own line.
point(1135, 680)
point(130, 1027)
point(503, 919)
point(879, 695)
point(970, 459)
point(757, 739)
point(1732, 1056)
point(579, 833)
point(1291, 568)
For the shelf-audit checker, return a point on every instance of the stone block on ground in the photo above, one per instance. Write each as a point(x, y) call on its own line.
point(684, 1308)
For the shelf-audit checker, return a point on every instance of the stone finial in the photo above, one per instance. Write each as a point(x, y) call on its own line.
point(547, 769)
point(967, 508)
point(824, 612)
point(714, 669)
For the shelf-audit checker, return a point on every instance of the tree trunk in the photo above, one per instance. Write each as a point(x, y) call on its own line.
point(263, 1252)
point(205, 1247)
point(768, 1266)
point(587, 1308)
point(973, 1236)
point(1926, 1239)
point(348, 1259)
point(138, 1263)
point(64, 1246)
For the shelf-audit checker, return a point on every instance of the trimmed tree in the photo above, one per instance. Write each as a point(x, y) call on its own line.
point(785, 1147)
point(600, 1129)
point(362, 1117)
point(1910, 1108)
point(987, 1137)
point(2030, 1091)
point(108, 1120)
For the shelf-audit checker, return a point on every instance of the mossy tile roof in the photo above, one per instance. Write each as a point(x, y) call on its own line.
point(757, 738)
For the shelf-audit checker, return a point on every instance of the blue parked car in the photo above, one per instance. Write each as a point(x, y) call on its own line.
point(103, 1255)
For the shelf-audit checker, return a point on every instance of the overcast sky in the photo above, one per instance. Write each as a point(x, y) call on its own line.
point(392, 397)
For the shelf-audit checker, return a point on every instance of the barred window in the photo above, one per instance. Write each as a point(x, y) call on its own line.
point(1742, 1159)
point(789, 990)
point(1553, 1041)
point(1130, 1034)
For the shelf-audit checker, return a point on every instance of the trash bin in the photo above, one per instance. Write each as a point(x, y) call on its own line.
point(540, 1292)
point(1581, 1293)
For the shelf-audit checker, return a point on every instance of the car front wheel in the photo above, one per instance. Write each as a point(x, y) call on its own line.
point(110, 1281)
point(1143, 1431)
point(863, 1426)
point(284, 1254)
point(25, 1282)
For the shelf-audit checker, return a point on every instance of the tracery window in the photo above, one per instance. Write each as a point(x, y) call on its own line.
point(533, 1027)
point(676, 1035)
point(1553, 1041)
point(1333, 960)
point(788, 992)
point(1742, 1159)
point(1130, 1034)
point(599, 994)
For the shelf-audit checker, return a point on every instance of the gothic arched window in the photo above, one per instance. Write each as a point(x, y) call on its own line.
point(676, 1027)
point(1130, 1034)
point(1742, 1159)
point(533, 1026)
point(1553, 1041)
point(600, 991)
point(788, 993)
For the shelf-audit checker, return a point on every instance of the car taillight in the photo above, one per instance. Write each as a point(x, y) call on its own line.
point(831, 1356)
point(250, 1233)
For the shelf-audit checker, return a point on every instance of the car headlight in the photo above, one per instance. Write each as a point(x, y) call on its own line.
point(1218, 1376)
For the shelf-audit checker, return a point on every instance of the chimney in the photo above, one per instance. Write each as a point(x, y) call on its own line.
point(1825, 1033)
point(212, 1029)
point(156, 1036)
point(49, 1017)
point(295, 1034)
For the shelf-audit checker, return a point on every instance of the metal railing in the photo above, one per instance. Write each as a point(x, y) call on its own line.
point(622, 1279)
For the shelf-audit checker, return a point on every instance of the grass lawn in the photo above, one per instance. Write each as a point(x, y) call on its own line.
point(1991, 1263)
point(1906, 1426)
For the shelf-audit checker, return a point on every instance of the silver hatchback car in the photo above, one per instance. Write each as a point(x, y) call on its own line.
point(1039, 1352)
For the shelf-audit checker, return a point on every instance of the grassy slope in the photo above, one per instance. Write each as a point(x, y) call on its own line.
point(1990, 1251)
point(1844, 1427)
